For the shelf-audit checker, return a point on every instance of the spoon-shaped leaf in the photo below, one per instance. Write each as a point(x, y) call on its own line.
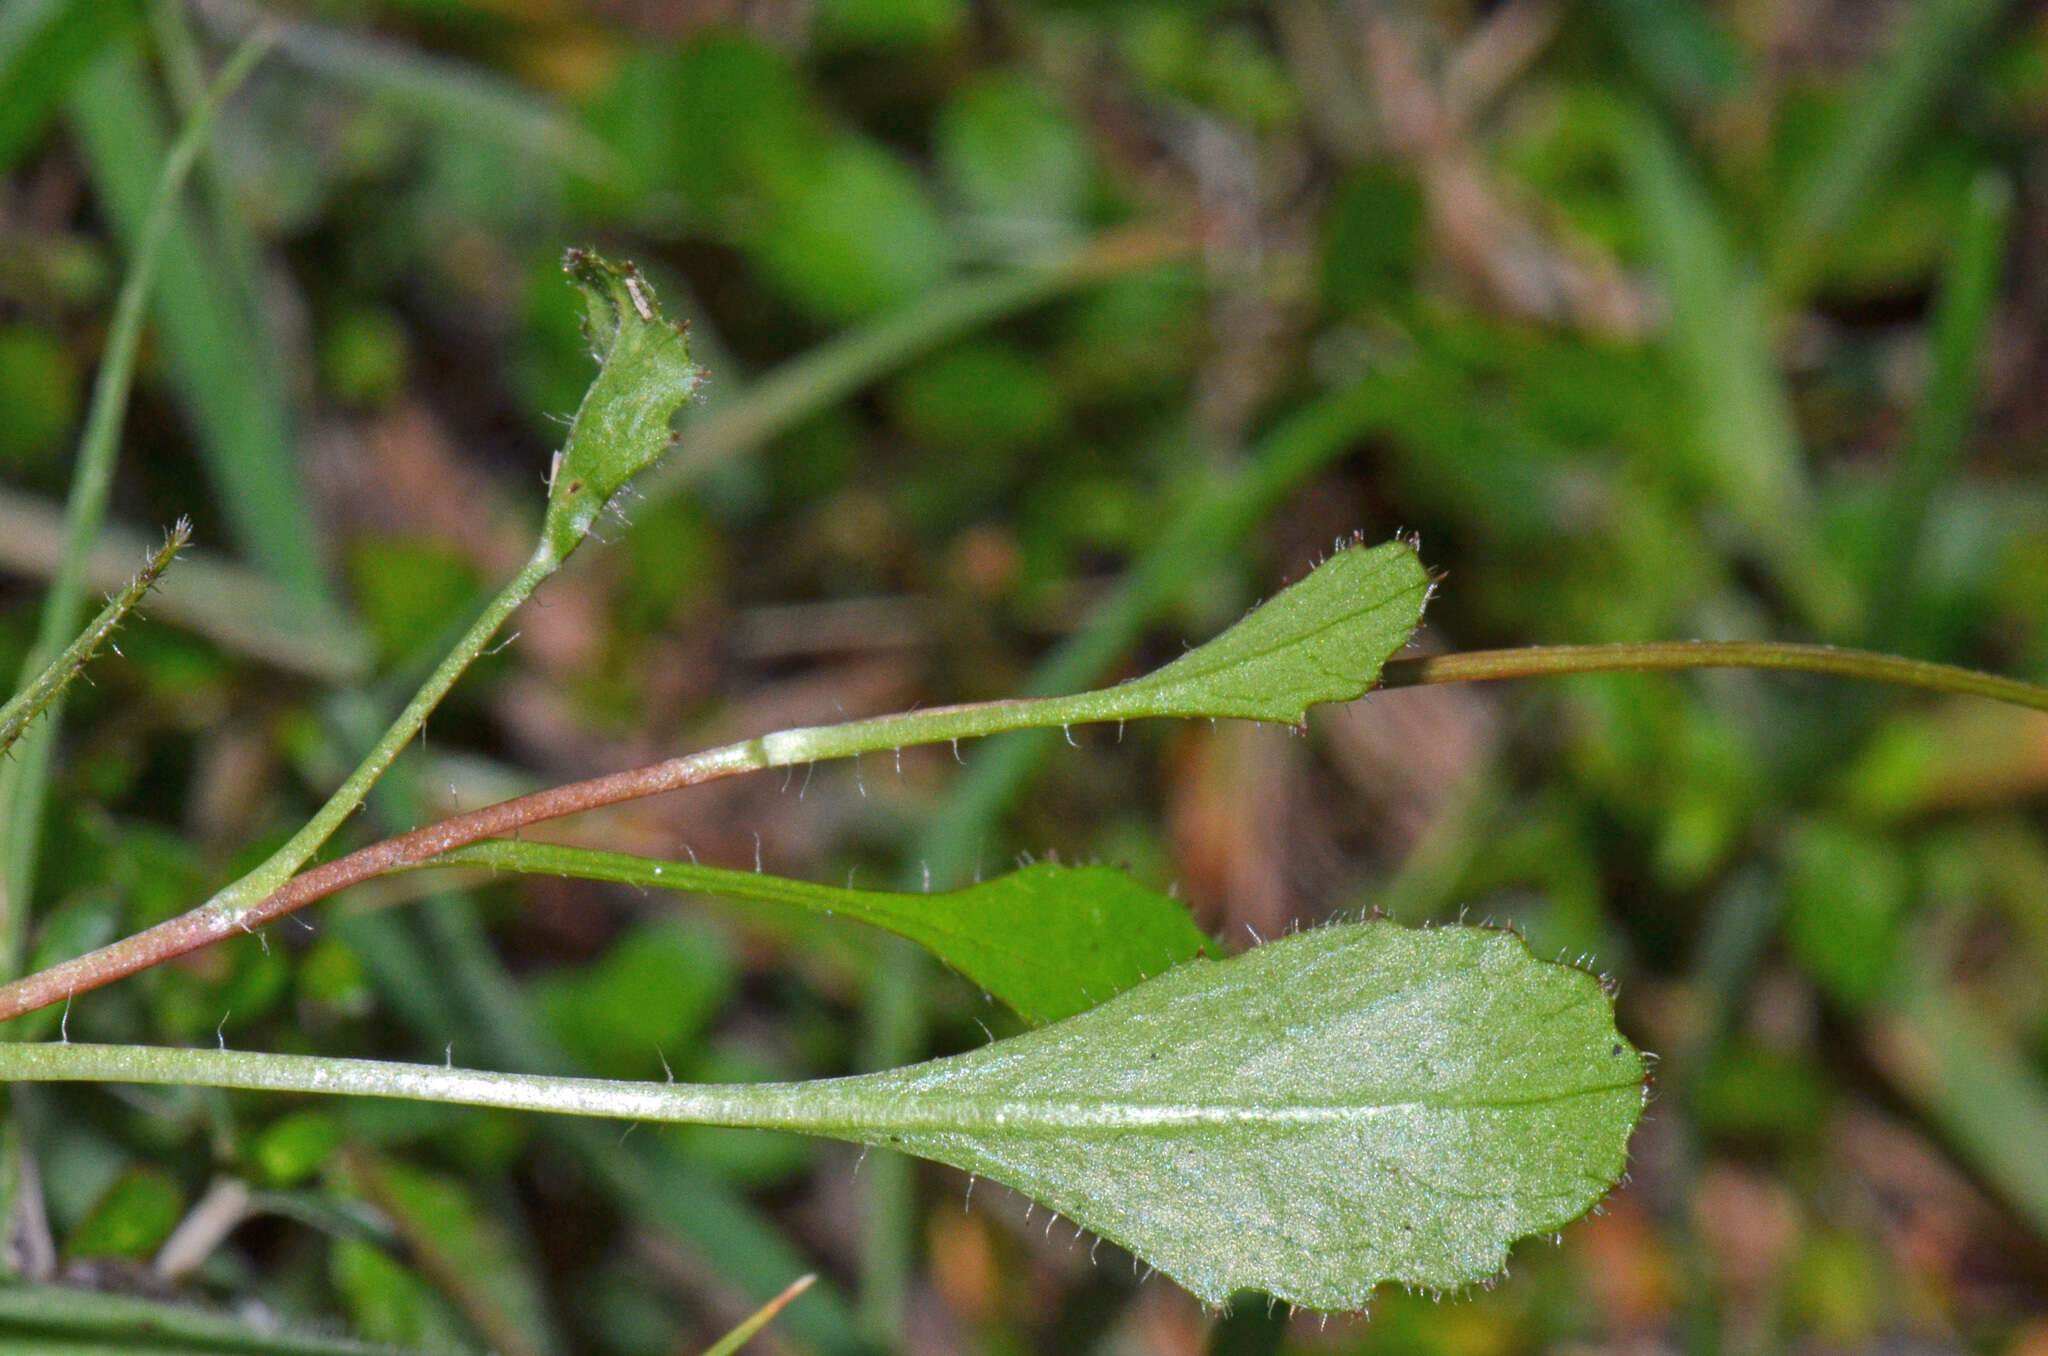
point(1324, 1113)
point(1048, 941)
point(1353, 1105)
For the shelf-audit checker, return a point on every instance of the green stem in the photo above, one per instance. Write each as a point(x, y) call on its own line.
point(236, 606)
point(41, 693)
point(1486, 666)
point(22, 781)
point(234, 903)
point(835, 1107)
point(214, 920)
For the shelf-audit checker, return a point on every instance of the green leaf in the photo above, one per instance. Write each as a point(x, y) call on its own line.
point(855, 235)
point(1341, 1108)
point(467, 1253)
point(24, 706)
point(43, 44)
point(1357, 1104)
point(1049, 941)
point(386, 1302)
point(623, 426)
point(73, 1320)
point(1846, 892)
point(1321, 640)
point(132, 1219)
point(294, 1147)
point(1013, 155)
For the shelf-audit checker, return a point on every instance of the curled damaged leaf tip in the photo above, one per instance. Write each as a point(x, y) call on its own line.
point(624, 423)
point(1358, 1104)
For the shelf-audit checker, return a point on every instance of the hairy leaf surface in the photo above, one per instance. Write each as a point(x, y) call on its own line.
point(623, 425)
point(1357, 1104)
point(1344, 1107)
point(1048, 941)
point(1322, 639)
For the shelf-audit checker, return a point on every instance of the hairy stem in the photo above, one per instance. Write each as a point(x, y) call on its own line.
point(807, 1107)
point(210, 923)
point(236, 906)
point(48, 686)
point(241, 908)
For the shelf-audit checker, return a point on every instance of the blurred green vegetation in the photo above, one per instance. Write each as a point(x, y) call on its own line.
point(1045, 336)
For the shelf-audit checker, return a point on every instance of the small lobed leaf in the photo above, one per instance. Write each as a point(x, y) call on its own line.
point(1349, 1106)
point(623, 425)
point(1323, 639)
point(1047, 941)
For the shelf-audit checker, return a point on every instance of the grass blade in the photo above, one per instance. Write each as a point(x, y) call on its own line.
point(217, 360)
point(22, 782)
point(760, 1318)
point(1894, 103)
point(1935, 438)
point(1747, 446)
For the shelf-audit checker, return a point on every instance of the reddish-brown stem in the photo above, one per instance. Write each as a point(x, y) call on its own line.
point(204, 926)
point(218, 919)
point(213, 922)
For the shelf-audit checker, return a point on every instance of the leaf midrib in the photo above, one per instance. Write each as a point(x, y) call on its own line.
point(956, 1112)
